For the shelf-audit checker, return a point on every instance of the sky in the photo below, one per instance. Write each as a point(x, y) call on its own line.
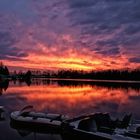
point(70, 34)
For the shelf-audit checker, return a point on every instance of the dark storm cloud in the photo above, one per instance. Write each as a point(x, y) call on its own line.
point(108, 47)
point(82, 3)
point(109, 43)
point(132, 29)
point(7, 49)
point(111, 52)
point(135, 60)
point(125, 41)
point(105, 14)
point(118, 19)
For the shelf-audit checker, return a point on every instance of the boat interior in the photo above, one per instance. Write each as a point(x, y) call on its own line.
point(103, 125)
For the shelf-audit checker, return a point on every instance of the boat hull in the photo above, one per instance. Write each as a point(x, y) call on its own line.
point(81, 135)
point(36, 127)
point(36, 123)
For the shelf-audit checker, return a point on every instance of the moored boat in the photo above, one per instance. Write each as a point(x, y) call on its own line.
point(37, 120)
point(100, 127)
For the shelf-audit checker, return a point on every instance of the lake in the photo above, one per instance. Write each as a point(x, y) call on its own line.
point(69, 97)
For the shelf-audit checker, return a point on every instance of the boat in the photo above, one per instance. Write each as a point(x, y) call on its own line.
point(37, 120)
point(100, 126)
point(24, 130)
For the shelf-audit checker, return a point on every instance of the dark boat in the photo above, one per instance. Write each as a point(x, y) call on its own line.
point(100, 127)
point(24, 130)
point(37, 120)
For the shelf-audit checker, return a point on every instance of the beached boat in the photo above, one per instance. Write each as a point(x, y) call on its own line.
point(87, 127)
point(37, 120)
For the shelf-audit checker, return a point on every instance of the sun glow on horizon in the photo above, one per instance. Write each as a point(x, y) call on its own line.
point(46, 58)
point(53, 38)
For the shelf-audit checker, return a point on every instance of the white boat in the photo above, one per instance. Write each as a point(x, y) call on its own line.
point(81, 129)
point(37, 120)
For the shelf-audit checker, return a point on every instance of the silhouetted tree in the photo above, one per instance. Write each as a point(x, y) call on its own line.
point(3, 69)
point(6, 71)
point(28, 74)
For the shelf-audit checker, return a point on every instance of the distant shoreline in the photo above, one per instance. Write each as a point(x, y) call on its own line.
point(77, 79)
point(88, 80)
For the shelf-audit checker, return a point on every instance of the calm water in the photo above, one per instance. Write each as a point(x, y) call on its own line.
point(65, 97)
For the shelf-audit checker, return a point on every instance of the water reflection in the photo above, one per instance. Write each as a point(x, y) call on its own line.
point(67, 97)
point(73, 97)
point(70, 83)
point(3, 86)
point(24, 130)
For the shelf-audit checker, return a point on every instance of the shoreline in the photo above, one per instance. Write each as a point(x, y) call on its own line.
point(88, 80)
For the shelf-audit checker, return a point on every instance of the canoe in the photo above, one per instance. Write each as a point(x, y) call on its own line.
point(26, 129)
point(73, 130)
point(37, 120)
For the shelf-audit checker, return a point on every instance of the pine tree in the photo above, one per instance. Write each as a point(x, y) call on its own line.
point(3, 69)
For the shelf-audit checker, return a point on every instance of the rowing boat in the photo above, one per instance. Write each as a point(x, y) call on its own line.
point(86, 127)
point(37, 120)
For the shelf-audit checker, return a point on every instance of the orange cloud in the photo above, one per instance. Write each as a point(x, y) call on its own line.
point(51, 37)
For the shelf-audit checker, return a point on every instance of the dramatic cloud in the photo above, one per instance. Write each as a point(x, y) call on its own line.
point(8, 50)
point(113, 23)
point(79, 34)
point(135, 60)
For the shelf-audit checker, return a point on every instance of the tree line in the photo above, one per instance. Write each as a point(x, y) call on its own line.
point(96, 75)
point(4, 73)
point(75, 74)
point(101, 75)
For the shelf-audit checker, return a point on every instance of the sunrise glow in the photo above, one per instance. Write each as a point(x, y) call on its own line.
point(67, 41)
